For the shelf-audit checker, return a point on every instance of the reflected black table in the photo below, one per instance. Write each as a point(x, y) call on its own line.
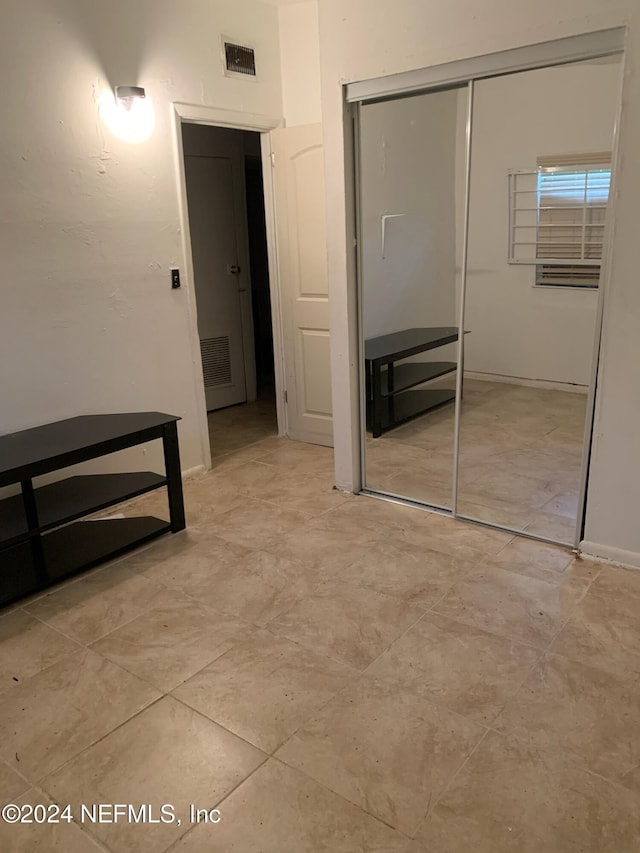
point(389, 400)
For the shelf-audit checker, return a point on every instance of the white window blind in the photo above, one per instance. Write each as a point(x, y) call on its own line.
point(557, 218)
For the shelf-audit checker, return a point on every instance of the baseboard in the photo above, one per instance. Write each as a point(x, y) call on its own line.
point(193, 472)
point(616, 556)
point(532, 383)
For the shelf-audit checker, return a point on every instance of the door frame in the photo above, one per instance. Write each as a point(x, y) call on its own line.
point(183, 113)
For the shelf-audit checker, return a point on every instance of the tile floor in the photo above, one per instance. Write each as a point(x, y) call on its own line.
point(520, 457)
point(335, 674)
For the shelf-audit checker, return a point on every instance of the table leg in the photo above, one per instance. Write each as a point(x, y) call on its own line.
point(174, 476)
point(33, 523)
point(376, 429)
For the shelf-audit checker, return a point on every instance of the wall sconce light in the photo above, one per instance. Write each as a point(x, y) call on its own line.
point(126, 95)
point(129, 114)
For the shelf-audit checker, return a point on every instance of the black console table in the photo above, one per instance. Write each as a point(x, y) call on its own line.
point(389, 402)
point(38, 544)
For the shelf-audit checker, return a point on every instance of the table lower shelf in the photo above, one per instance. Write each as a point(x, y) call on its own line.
point(71, 549)
point(411, 404)
point(67, 500)
point(407, 375)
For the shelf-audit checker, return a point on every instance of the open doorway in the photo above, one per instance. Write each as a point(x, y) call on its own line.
point(226, 212)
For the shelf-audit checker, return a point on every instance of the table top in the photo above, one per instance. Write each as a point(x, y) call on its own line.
point(33, 448)
point(408, 342)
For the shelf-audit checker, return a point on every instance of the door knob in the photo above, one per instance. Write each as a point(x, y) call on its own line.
point(233, 269)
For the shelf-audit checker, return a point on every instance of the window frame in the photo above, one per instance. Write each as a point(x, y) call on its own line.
point(525, 193)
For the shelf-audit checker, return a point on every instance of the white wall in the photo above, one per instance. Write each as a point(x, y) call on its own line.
point(407, 166)
point(300, 58)
point(89, 225)
point(517, 329)
point(360, 39)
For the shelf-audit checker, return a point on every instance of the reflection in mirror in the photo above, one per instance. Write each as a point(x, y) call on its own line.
point(412, 184)
point(531, 300)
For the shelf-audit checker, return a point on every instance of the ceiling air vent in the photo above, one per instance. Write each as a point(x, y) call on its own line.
point(239, 60)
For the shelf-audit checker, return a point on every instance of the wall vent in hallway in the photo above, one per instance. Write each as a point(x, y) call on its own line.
point(239, 59)
point(216, 361)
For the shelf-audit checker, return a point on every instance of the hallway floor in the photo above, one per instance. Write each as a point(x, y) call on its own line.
point(335, 674)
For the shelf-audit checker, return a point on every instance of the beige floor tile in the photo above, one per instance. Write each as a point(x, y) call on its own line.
point(417, 847)
point(279, 810)
point(257, 524)
point(511, 796)
point(247, 479)
point(170, 643)
point(61, 837)
point(406, 571)
point(57, 713)
point(589, 714)
point(559, 528)
point(193, 571)
point(203, 499)
point(168, 548)
point(539, 560)
point(167, 754)
point(386, 456)
point(223, 463)
point(348, 623)
point(310, 458)
point(98, 603)
point(327, 544)
point(510, 487)
point(417, 487)
point(566, 503)
point(223, 442)
point(265, 688)
point(604, 630)
point(513, 605)
point(379, 516)
point(470, 542)
point(452, 664)
point(386, 750)
point(293, 490)
point(12, 784)
point(509, 515)
point(27, 646)
point(257, 588)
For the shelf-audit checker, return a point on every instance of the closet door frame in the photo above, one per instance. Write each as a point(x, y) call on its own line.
point(453, 75)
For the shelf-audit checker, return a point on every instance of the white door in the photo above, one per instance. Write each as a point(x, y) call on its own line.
point(301, 234)
point(215, 195)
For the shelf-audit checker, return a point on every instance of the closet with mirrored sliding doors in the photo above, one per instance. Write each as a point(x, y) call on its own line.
point(482, 196)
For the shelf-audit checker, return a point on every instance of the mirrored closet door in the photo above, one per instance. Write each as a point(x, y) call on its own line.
point(539, 184)
point(411, 158)
point(484, 207)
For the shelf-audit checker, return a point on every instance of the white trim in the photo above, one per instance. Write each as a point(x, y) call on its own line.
point(198, 114)
point(547, 384)
point(615, 556)
point(468, 140)
point(196, 471)
point(274, 282)
point(603, 287)
point(556, 52)
point(187, 285)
